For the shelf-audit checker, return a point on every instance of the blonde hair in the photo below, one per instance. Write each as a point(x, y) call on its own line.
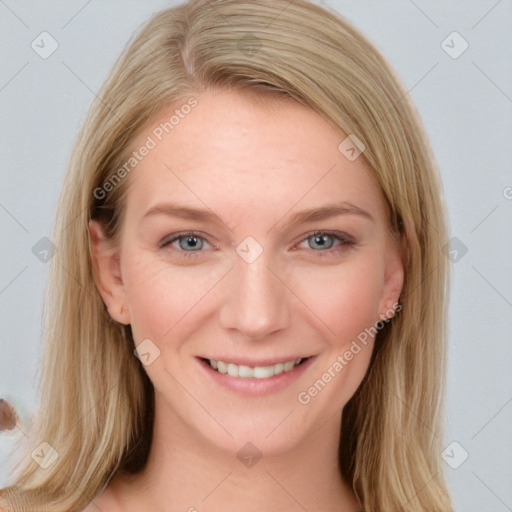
point(96, 401)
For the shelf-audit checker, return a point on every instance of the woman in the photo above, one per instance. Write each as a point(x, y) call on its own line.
point(247, 308)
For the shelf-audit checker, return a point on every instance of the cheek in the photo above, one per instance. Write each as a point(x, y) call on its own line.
point(340, 300)
point(344, 298)
point(161, 296)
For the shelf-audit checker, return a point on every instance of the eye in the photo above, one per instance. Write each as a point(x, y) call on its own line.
point(327, 241)
point(189, 242)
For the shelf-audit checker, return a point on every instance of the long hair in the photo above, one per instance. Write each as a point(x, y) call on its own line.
point(96, 401)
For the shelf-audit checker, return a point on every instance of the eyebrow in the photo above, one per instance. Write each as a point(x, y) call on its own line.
point(327, 211)
point(313, 214)
point(184, 212)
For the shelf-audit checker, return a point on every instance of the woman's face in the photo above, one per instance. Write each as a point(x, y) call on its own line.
point(249, 283)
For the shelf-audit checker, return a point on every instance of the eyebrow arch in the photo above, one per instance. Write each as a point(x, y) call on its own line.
point(326, 212)
point(184, 212)
point(313, 214)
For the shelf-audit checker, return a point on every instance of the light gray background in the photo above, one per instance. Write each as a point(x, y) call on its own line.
point(465, 104)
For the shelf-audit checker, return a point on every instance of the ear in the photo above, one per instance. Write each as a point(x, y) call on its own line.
point(107, 273)
point(393, 281)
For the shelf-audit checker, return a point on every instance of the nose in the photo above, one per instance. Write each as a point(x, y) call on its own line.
point(256, 300)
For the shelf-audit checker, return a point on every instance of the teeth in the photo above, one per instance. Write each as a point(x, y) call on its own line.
point(263, 372)
point(232, 370)
point(289, 365)
point(278, 368)
point(247, 372)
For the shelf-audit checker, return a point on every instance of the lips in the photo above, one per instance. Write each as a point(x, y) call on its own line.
point(261, 383)
point(255, 370)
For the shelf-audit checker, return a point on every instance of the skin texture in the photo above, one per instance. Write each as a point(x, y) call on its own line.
point(254, 164)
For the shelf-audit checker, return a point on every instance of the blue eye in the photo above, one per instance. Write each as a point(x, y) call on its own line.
point(187, 242)
point(190, 242)
point(323, 241)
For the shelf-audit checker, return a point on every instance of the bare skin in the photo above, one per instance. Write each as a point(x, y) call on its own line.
point(255, 166)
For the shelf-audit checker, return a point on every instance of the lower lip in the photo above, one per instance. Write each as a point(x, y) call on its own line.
point(253, 386)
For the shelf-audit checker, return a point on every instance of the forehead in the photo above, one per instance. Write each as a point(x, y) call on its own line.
point(236, 151)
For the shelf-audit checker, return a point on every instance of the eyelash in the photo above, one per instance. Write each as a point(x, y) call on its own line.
point(345, 242)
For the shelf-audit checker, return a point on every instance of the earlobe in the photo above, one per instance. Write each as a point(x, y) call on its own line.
point(390, 309)
point(393, 284)
point(106, 270)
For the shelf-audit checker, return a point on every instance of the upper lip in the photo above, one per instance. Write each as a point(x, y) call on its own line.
point(253, 363)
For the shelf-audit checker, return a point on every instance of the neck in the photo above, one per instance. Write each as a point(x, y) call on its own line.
point(193, 475)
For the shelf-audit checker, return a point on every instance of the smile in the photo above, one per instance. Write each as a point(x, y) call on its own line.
point(257, 372)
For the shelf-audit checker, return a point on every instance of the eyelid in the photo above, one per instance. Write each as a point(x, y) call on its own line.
point(169, 239)
point(338, 234)
point(345, 241)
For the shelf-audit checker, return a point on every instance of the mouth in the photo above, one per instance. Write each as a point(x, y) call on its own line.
point(254, 377)
point(254, 372)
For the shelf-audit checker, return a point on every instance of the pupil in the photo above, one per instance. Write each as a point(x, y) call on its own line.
point(190, 242)
point(322, 241)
